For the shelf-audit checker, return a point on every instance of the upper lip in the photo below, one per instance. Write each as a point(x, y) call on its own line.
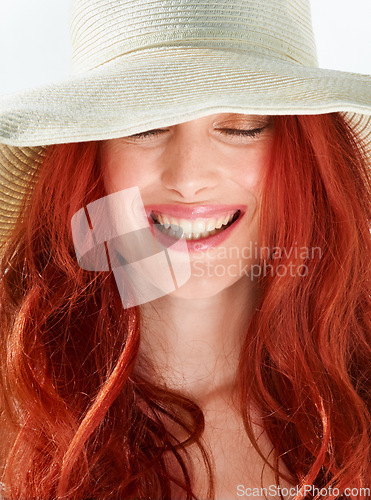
point(193, 212)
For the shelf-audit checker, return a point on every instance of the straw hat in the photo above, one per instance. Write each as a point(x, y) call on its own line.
point(139, 65)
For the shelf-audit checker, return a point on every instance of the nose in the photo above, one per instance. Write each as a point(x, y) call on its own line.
point(190, 167)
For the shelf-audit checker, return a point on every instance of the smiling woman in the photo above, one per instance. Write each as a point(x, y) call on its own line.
point(161, 334)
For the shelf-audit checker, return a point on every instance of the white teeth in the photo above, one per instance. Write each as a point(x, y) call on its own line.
point(165, 222)
point(219, 223)
point(186, 225)
point(210, 226)
point(198, 226)
point(193, 230)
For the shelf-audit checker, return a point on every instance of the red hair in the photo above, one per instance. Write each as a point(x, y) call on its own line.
point(82, 421)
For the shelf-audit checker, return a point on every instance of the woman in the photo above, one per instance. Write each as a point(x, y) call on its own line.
point(254, 372)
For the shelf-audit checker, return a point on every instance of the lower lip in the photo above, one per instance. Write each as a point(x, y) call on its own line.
point(201, 244)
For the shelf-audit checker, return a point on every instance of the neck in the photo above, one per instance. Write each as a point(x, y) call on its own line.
point(193, 345)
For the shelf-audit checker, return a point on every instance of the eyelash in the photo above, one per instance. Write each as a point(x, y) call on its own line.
point(228, 131)
point(240, 132)
point(147, 133)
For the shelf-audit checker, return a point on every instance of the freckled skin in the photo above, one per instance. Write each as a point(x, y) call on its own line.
point(217, 159)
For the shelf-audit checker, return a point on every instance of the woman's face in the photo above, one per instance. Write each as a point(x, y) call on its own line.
point(203, 176)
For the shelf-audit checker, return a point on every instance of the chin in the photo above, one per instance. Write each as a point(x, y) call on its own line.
point(202, 287)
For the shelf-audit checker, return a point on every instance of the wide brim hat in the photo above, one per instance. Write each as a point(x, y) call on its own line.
point(139, 65)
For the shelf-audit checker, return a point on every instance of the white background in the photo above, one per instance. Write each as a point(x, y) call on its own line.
point(34, 39)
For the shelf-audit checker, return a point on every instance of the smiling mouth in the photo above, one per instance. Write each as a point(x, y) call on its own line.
point(193, 229)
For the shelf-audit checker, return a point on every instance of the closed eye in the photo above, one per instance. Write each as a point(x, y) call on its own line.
point(235, 131)
point(239, 136)
point(148, 133)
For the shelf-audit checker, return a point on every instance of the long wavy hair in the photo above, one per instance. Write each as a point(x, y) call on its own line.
point(79, 420)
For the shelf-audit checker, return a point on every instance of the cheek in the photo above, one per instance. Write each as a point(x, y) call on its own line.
point(123, 169)
point(251, 172)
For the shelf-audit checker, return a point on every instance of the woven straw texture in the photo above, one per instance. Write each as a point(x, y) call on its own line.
point(139, 64)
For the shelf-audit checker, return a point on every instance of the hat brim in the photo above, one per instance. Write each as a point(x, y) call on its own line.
point(160, 87)
point(163, 86)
